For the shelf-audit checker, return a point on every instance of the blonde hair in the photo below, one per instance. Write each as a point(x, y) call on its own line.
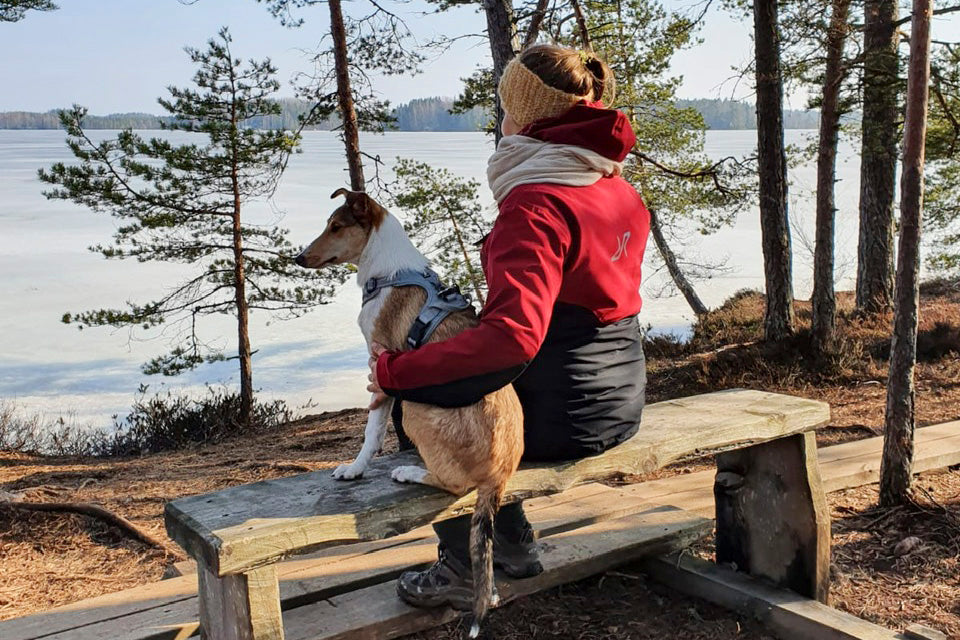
point(545, 80)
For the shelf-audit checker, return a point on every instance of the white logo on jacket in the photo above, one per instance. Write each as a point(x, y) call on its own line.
point(621, 247)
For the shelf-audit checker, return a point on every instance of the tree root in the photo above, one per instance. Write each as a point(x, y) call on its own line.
point(98, 512)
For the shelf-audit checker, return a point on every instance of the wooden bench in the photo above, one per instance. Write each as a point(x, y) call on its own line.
point(771, 511)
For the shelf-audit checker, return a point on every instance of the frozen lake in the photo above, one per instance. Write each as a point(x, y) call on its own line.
point(318, 360)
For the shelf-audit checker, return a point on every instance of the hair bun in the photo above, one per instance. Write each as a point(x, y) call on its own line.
point(602, 76)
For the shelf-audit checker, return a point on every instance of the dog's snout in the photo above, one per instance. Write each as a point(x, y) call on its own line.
point(300, 260)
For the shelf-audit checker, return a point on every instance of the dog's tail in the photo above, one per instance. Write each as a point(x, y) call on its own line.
point(481, 553)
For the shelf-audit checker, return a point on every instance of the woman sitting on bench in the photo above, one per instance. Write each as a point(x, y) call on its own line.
point(563, 267)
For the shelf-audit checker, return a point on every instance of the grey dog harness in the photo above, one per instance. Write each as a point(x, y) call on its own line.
point(441, 301)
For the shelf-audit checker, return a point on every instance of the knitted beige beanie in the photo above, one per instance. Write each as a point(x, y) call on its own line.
point(528, 98)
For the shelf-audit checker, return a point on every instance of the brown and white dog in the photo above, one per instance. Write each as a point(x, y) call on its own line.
point(478, 446)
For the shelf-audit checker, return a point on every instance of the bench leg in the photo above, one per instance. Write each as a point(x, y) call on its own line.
point(772, 518)
point(240, 607)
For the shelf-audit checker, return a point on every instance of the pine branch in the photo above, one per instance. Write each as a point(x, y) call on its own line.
point(937, 12)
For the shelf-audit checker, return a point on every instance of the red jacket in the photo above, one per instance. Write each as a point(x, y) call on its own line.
point(550, 244)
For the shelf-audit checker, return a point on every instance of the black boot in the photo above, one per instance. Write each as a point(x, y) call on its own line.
point(515, 550)
point(518, 558)
point(447, 582)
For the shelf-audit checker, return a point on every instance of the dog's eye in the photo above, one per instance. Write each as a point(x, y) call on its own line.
point(335, 226)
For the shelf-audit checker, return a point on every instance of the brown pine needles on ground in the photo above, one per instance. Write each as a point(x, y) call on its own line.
point(50, 559)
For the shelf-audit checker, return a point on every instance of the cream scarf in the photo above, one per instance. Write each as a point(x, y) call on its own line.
point(523, 160)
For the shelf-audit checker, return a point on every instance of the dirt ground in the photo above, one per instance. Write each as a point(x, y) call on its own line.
point(50, 559)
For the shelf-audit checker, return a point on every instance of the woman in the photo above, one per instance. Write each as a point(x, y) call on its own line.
point(563, 267)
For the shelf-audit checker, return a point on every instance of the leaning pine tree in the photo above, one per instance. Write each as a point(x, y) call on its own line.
point(183, 204)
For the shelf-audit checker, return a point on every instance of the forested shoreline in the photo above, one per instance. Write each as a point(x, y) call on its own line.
point(421, 114)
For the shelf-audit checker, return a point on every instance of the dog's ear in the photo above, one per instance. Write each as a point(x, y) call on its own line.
point(365, 209)
point(344, 192)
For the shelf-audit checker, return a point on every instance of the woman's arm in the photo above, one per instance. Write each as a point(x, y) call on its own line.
point(525, 257)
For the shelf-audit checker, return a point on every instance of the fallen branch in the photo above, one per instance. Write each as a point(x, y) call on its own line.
point(98, 512)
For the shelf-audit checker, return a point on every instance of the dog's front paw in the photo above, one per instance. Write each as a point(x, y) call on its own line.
point(409, 474)
point(350, 471)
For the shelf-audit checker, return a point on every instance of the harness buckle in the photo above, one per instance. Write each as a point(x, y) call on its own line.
point(450, 292)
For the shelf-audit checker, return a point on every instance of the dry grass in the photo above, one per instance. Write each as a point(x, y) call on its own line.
point(727, 352)
point(53, 559)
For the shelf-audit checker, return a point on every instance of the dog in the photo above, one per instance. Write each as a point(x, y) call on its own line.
point(478, 446)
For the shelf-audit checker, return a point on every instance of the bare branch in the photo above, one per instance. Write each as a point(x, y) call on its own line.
point(937, 12)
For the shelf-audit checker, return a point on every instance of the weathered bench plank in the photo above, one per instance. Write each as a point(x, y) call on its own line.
point(251, 525)
point(377, 613)
point(169, 609)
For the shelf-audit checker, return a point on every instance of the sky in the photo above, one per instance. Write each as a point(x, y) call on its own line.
point(120, 55)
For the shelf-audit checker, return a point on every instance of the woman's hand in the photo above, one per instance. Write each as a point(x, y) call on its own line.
point(379, 397)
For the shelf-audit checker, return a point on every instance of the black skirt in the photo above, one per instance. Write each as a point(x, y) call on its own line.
point(584, 391)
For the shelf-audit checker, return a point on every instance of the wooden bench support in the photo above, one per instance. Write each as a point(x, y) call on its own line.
point(772, 518)
point(243, 606)
point(789, 615)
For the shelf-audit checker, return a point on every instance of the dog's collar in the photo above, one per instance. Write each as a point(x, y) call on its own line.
point(441, 301)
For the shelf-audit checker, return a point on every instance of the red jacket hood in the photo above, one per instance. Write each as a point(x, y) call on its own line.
point(589, 125)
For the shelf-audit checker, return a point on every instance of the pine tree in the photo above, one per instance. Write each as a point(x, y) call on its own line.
point(16, 10)
point(681, 186)
point(184, 204)
point(824, 301)
point(445, 219)
point(777, 256)
point(341, 85)
point(896, 467)
point(878, 164)
point(942, 206)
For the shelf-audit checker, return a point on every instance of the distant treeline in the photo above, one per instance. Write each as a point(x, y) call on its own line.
point(733, 114)
point(422, 114)
point(433, 114)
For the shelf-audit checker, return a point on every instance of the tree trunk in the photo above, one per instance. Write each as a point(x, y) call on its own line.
point(778, 319)
point(243, 312)
point(878, 157)
point(676, 274)
point(582, 25)
point(897, 464)
point(824, 301)
point(503, 45)
point(533, 31)
point(239, 277)
point(351, 136)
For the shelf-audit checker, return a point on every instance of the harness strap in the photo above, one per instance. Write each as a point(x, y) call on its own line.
point(441, 301)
